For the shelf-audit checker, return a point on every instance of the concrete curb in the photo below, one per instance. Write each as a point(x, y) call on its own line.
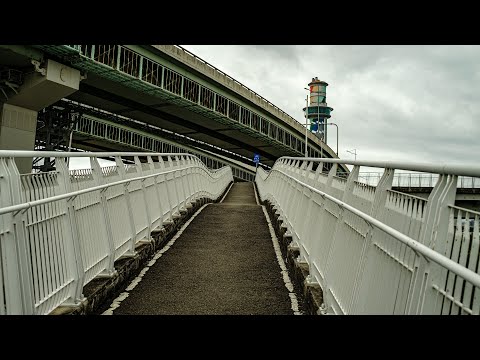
point(99, 293)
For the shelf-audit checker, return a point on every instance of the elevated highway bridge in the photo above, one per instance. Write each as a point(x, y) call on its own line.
point(164, 86)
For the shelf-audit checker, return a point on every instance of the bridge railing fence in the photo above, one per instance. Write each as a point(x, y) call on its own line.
point(412, 180)
point(59, 230)
point(375, 250)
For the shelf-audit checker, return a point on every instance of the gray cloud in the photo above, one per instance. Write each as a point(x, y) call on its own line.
point(409, 103)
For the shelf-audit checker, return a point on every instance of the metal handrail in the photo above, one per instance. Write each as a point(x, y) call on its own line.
point(465, 273)
point(417, 179)
point(27, 205)
point(457, 169)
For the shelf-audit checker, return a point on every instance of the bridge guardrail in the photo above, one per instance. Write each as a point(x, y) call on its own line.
point(417, 180)
point(375, 250)
point(61, 229)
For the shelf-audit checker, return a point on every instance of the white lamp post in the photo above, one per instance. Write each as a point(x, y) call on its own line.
point(331, 123)
point(306, 128)
point(354, 152)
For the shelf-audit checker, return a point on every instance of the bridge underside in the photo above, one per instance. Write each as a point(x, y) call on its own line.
point(119, 99)
point(111, 87)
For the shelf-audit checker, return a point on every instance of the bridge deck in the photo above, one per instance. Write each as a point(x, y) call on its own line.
point(222, 263)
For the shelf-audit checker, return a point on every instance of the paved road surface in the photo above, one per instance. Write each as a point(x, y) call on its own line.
point(223, 263)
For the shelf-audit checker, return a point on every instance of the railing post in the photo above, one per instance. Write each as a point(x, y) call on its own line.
point(133, 232)
point(17, 288)
point(308, 172)
point(176, 185)
point(188, 180)
point(331, 174)
point(175, 206)
point(350, 184)
point(157, 185)
point(329, 258)
point(72, 242)
point(318, 174)
point(376, 211)
point(99, 180)
point(140, 68)
point(145, 198)
point(164, 179)
point(183, 179)
point(196, 179)
point(162, 82)
point(119, 51)
point(433, 234)
point(380, 197)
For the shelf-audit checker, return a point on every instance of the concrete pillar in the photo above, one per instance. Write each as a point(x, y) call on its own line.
point(17, 132)
point(18, 115)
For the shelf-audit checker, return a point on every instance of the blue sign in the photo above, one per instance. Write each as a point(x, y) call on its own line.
point(256, 158)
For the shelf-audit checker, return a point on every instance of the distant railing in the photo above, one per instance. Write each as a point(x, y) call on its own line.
point(417, 180)
point(61, 229)
point(374, 250)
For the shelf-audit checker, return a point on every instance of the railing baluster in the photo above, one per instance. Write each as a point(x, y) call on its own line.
point(72, 241)
point(126, 194)
point(99, 180)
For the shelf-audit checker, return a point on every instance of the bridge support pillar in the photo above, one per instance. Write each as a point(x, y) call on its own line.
point(17, 132)
point(18, 113)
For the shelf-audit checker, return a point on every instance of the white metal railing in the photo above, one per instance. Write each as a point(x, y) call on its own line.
point(374, 250)
point(61, 229)
point(417, 180)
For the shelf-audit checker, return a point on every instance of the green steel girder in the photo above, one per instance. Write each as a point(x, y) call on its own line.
point(83, 62)
point(145, 130)
point(28, 52)
point(91, 136)
point(168, 117)
point(88, 64)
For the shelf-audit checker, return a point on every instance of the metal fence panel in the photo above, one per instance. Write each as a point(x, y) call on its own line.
point(376, 250)
point(75, 224)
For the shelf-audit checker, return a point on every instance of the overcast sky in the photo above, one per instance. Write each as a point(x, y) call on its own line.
point(413, 103)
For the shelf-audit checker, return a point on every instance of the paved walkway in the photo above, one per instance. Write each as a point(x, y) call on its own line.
point(223, 263)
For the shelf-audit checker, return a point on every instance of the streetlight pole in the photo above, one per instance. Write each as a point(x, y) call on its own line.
point(337, 132)
point(354, 152)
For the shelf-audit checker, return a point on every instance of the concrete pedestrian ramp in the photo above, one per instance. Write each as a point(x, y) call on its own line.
point(222, 263)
